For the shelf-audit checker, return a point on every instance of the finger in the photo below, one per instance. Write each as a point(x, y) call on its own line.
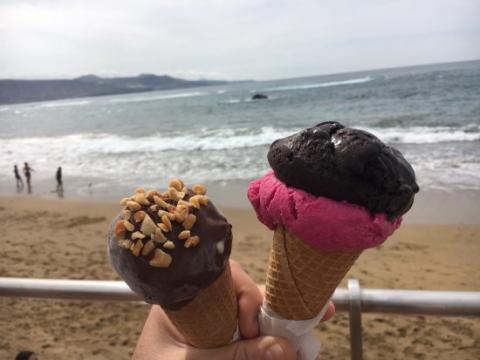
point(264, 347)
point(249, 301)
point(330, 312)
point(262, 289)
point(158, 335)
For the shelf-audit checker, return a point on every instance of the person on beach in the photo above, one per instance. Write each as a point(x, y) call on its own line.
point(58, 176)
point(26, 355)
point(160, 340)
point(18, 178)
point(27, 171)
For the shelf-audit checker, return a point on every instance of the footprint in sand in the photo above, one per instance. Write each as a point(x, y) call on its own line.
point(79, 220)
point(250, 238)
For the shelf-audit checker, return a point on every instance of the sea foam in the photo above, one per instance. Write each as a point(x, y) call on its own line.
point(320, 85)
point(425, 134)
point(157, 97)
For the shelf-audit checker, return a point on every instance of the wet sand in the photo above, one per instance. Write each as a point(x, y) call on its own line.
point(45, 238)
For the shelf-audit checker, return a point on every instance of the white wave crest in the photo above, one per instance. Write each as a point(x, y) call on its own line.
point(57, 104)
point(212, 154)
point(206, 139)
point(320, 85)
point(157, 97)
point(232, 101)
point(425, 134)
point(204, 154)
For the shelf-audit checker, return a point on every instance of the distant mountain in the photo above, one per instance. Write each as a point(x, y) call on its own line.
point(21, 91)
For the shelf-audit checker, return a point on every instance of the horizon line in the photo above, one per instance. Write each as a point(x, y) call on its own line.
point(238, 80)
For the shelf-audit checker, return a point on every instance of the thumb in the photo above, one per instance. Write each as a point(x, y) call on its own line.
point(263, 347)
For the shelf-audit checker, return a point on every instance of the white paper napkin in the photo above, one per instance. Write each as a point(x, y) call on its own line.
point(298, 332)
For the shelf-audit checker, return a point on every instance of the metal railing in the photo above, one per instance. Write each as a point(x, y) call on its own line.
point(354, 299)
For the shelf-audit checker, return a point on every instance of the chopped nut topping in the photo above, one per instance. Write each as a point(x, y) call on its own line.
point(181, 195)
point(179, 217)
point(184, 203)
point(175, 195)
point(170, 206)
point(165, 195)
point(139, 216)
point(148, 247)
point(182, 209)
point(133, 205)
point(161, 259)
point(166, 221)
point(160, 202)
point(124, 201)
point(138, 235)
point(162, 212)
point(176, 184)
point(120, 229)
point(199, 189)
point(189, 221)
point(124, 243)
point(126, 214)
point(184, 235)
point(204, 200)
point(163, 227)
point(192, 241)
point(169, 245)
point(136, 247)
point(159, 236)
point(195, 200)
point(170, 215)
point(141, 199)
point(128, 225)
point(148, 226)
point(181, 213)
point(150, 193)
point(172, 193)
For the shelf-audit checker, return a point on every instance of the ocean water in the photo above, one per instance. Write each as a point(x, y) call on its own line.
point(218, 135)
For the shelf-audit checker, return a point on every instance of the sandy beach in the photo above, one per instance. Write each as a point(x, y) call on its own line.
point(46, 238)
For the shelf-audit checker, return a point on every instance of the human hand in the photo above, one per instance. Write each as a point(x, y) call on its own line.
point(160, 340)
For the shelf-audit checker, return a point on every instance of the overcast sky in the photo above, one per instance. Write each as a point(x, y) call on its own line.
point(239, 39)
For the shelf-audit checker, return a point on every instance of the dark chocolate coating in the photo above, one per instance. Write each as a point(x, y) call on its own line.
point(191, 269)
point(345, 164)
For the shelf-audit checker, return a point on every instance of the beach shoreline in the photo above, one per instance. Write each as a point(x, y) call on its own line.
point(431, 206)
point(51, 238)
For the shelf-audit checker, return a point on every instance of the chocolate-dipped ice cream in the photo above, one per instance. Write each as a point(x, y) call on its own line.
point(168, 246)
point(345, 164)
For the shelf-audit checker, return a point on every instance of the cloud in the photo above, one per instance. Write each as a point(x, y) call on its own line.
point(235, 39)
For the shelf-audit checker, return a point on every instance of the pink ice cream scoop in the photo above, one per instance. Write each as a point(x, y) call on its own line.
point(336, 188)
point(323, 223)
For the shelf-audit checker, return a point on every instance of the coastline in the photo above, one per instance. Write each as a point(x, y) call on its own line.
point(50, 238)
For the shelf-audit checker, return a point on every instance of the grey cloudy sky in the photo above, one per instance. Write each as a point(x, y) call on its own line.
point(239, 39)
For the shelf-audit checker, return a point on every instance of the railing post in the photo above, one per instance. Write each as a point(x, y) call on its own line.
point(355, 317)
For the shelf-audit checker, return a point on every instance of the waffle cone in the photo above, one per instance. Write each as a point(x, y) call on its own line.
point(301, 278)
point(210, 319)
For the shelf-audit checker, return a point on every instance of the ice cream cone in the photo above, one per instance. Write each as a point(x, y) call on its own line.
point(210, 319)
point(301, 278)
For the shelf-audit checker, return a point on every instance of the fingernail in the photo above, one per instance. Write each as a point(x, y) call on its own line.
point(274, 352)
